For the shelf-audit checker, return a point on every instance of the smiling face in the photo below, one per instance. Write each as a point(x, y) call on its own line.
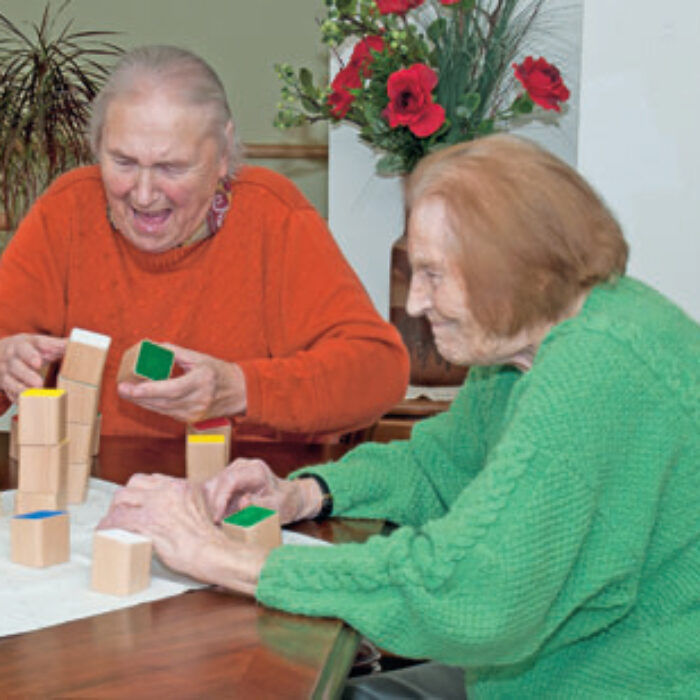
point(160, 165)
point(438, 292)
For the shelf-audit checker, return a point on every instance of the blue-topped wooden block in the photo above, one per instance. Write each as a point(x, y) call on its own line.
point(40, 538)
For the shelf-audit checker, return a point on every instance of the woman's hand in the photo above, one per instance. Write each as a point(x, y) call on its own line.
point(208, 388)
point(173, 513)
point(247, 481)
point(22, 359)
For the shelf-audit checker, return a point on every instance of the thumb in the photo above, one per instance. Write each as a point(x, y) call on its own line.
point(184, 357)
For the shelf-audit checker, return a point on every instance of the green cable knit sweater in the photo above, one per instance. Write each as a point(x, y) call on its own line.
point(550, 521)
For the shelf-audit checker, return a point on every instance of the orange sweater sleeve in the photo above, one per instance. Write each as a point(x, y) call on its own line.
point(337, 365)
point(32, 283)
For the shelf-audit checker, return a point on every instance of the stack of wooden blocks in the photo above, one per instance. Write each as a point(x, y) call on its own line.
point(42, 451)
point(81, 377)
point(208, 448)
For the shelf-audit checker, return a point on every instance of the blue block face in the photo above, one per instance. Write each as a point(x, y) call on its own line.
point(39, 514)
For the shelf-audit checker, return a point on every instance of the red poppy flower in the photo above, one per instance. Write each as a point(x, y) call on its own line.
point(340, 99)
point(543, 82)
point(397, 7)
point(411, 102)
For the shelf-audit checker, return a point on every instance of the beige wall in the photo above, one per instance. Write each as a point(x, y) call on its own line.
point(242, 39)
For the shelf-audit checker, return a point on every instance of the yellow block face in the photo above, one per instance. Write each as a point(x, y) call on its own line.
point(43, 392)
point(205, 438)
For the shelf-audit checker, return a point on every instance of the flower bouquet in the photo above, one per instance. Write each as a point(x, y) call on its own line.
point(423, 74)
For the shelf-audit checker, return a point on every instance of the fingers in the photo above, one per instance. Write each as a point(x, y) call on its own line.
point(187, 359)
point(51, 348)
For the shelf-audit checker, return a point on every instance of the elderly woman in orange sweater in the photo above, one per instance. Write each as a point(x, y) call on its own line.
point(172, 239)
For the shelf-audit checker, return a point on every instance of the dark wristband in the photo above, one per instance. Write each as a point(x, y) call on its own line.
point(326, 497)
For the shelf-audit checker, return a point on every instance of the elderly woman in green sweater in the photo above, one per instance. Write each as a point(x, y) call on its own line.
point(549, 522)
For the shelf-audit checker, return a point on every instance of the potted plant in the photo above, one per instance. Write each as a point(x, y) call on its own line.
point(49, 74)
point(421, 75)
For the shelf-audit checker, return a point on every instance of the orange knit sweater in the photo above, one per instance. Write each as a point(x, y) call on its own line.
point(270, 291)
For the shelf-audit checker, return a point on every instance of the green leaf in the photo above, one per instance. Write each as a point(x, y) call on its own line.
point(470, 101)
point(306, 80)
point(309, 105)
point(486, 127)
point(345, 7)
point(523, 104)
point(390, 164)
point(436, 30)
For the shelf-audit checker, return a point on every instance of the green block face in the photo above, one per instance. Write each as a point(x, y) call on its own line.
point(249, 516)
point(154, 362)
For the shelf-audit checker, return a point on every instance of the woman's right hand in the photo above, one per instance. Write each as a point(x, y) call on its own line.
point(22, 359)
point(251, 481)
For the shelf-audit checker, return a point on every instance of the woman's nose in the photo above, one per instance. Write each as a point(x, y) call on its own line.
point(418, 301)
point(144, 190)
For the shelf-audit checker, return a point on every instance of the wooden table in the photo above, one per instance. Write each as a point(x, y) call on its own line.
point(199, 644)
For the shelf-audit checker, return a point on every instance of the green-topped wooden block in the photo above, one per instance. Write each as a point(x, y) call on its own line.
point(146, 360)
point(254, 525)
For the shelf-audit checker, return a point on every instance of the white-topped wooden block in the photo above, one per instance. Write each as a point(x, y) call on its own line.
point(121, 562)
point(85, 356)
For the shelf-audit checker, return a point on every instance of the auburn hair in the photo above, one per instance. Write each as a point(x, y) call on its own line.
point(529, 233)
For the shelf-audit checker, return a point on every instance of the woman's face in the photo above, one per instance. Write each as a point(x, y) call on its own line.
point(160, 165)
point(438, 291)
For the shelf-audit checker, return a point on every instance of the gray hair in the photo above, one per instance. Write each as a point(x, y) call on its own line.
point(196, 81)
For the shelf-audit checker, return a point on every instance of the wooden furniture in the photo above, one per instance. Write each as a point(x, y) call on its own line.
point(398, 422)
point(200, 644)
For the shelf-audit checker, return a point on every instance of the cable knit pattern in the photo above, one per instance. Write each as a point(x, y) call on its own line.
point(549, 538)
point(270, 291)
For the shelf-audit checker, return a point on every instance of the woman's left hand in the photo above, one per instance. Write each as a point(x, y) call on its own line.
point(208, 388)
point(173, 513)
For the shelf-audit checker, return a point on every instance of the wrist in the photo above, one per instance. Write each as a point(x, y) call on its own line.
point(318, 501)
point(231, 390)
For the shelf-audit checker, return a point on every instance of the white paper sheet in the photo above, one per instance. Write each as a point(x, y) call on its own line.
point(34, 598)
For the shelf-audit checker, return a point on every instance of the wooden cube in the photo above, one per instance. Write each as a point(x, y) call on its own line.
point(81, 402)
point(213, 426)
point(77, 482)
point(40, 538)
point(79, 442)
point(205, 456)
point(85, 357)
point(121, 562)
point(14, 445)
point(146, 360)
point(43, 467)
point(42, 417)
point(254, 525)
point(29, 501)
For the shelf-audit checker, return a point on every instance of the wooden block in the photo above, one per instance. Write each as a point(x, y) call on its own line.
point(40, 538)
point(43, 467)
point(14, 451)
point(77, 482)
point(205, 456)
point(29, 501)
point(85, 357)
point(42, 417)
point(79, 442)
point(96, 430)
point(145, 360)
point(81, 400)
point(121, 562)
point(213, 426)
point(254, 525)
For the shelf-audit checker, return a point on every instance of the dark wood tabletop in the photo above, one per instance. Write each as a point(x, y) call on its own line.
point(203, 643)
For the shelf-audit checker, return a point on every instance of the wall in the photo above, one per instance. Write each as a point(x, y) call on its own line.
point(638, 133)
point(242, 40)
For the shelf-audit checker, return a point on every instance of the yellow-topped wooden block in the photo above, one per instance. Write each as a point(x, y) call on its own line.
point(41, 417)
point(206, 456)
point(206, 438)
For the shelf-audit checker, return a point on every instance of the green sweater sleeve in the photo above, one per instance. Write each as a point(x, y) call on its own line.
point(545, 530)
point(409, 482)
